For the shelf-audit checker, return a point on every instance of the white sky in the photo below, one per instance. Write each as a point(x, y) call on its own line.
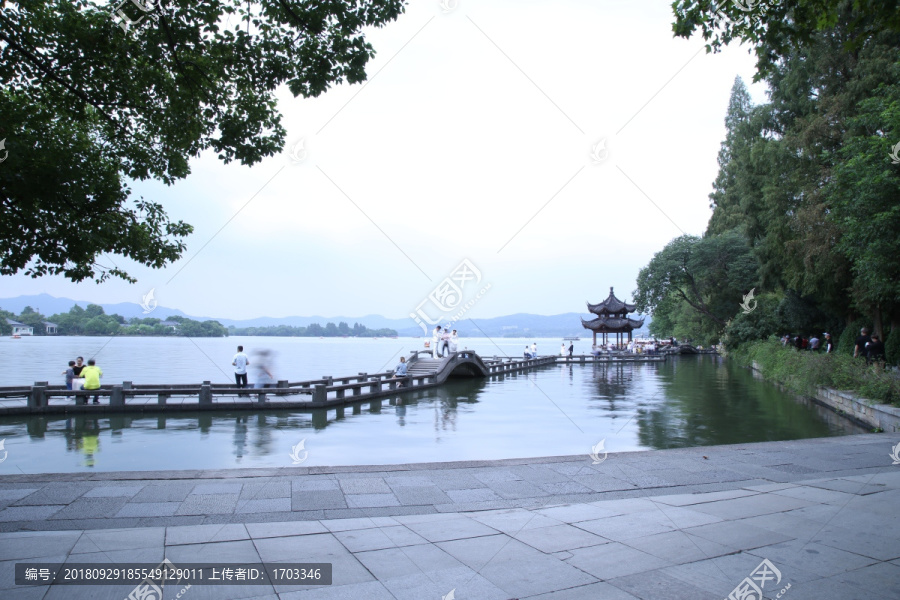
point(471, 140)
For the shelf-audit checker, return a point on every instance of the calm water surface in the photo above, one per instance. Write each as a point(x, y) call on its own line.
point(556, 410)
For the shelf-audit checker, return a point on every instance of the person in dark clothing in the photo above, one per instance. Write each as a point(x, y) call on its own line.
point(861, 342)
point(828, 344)
point(798, 342)
point(571, 348)
point(875, 350)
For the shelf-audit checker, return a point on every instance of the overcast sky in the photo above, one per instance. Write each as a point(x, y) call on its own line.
point(472, 140)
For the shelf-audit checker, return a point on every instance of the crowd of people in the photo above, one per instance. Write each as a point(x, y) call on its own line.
point(869, 347)
point(443, 341)
point(80, 376)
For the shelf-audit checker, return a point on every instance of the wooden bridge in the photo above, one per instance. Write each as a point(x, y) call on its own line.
point(423, 372)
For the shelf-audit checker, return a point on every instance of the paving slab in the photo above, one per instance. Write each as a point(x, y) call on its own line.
point(646, 525)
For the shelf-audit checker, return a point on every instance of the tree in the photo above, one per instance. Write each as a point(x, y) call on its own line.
point(710, 275)
point(775, 27)
point(725, 200)
point(88, 104)
point(33, 319)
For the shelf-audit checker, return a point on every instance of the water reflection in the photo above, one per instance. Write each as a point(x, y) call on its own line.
point(563, 409)
point(83, 438)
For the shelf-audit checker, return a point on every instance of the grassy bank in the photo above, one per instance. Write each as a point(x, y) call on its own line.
point(802, 371)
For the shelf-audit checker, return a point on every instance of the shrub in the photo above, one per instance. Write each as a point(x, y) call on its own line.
point(892, 346)
point(802, 372)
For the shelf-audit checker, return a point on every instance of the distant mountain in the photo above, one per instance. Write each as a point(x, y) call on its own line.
point(517, 325)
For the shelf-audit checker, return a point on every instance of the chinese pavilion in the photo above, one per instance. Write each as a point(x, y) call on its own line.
point(612, 317)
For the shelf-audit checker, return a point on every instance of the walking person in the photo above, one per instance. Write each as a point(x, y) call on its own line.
point(534, 350)
point(829, 344)
point(454, 341)
point(814, 343)
point(92, 375)
point(875, 351)
point(571, 348)
point(263, 367)
point(862, 342)
point(240, 362)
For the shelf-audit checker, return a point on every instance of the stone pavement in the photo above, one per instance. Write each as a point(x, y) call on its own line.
point(669, 524)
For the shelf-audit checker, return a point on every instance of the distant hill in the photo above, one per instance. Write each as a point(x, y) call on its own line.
point(517, 325)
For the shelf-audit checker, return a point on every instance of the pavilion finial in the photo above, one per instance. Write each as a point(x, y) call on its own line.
point(611, 291)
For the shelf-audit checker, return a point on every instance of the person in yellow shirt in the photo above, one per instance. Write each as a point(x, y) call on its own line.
point(92, 375)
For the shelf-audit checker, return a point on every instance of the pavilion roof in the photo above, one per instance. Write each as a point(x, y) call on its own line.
point(611, 306)
point(612, 324)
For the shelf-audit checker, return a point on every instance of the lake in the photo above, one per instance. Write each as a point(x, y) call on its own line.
point(556, 410)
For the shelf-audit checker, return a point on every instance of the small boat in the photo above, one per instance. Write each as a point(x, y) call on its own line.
point(17, 337)
point(572, 339)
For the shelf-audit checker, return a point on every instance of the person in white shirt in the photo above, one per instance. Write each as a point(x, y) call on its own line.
point(454, 341)
point(240, 362)
point(534, 350)
point(435, 342)
point(562, 349)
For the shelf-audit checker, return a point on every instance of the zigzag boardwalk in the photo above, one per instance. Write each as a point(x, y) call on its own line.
point(327, 392)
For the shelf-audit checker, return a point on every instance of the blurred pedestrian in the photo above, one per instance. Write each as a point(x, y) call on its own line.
point(571, 348)
point(828, 343)
point(262, 365)
point(534, 350)
point(454, 341)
